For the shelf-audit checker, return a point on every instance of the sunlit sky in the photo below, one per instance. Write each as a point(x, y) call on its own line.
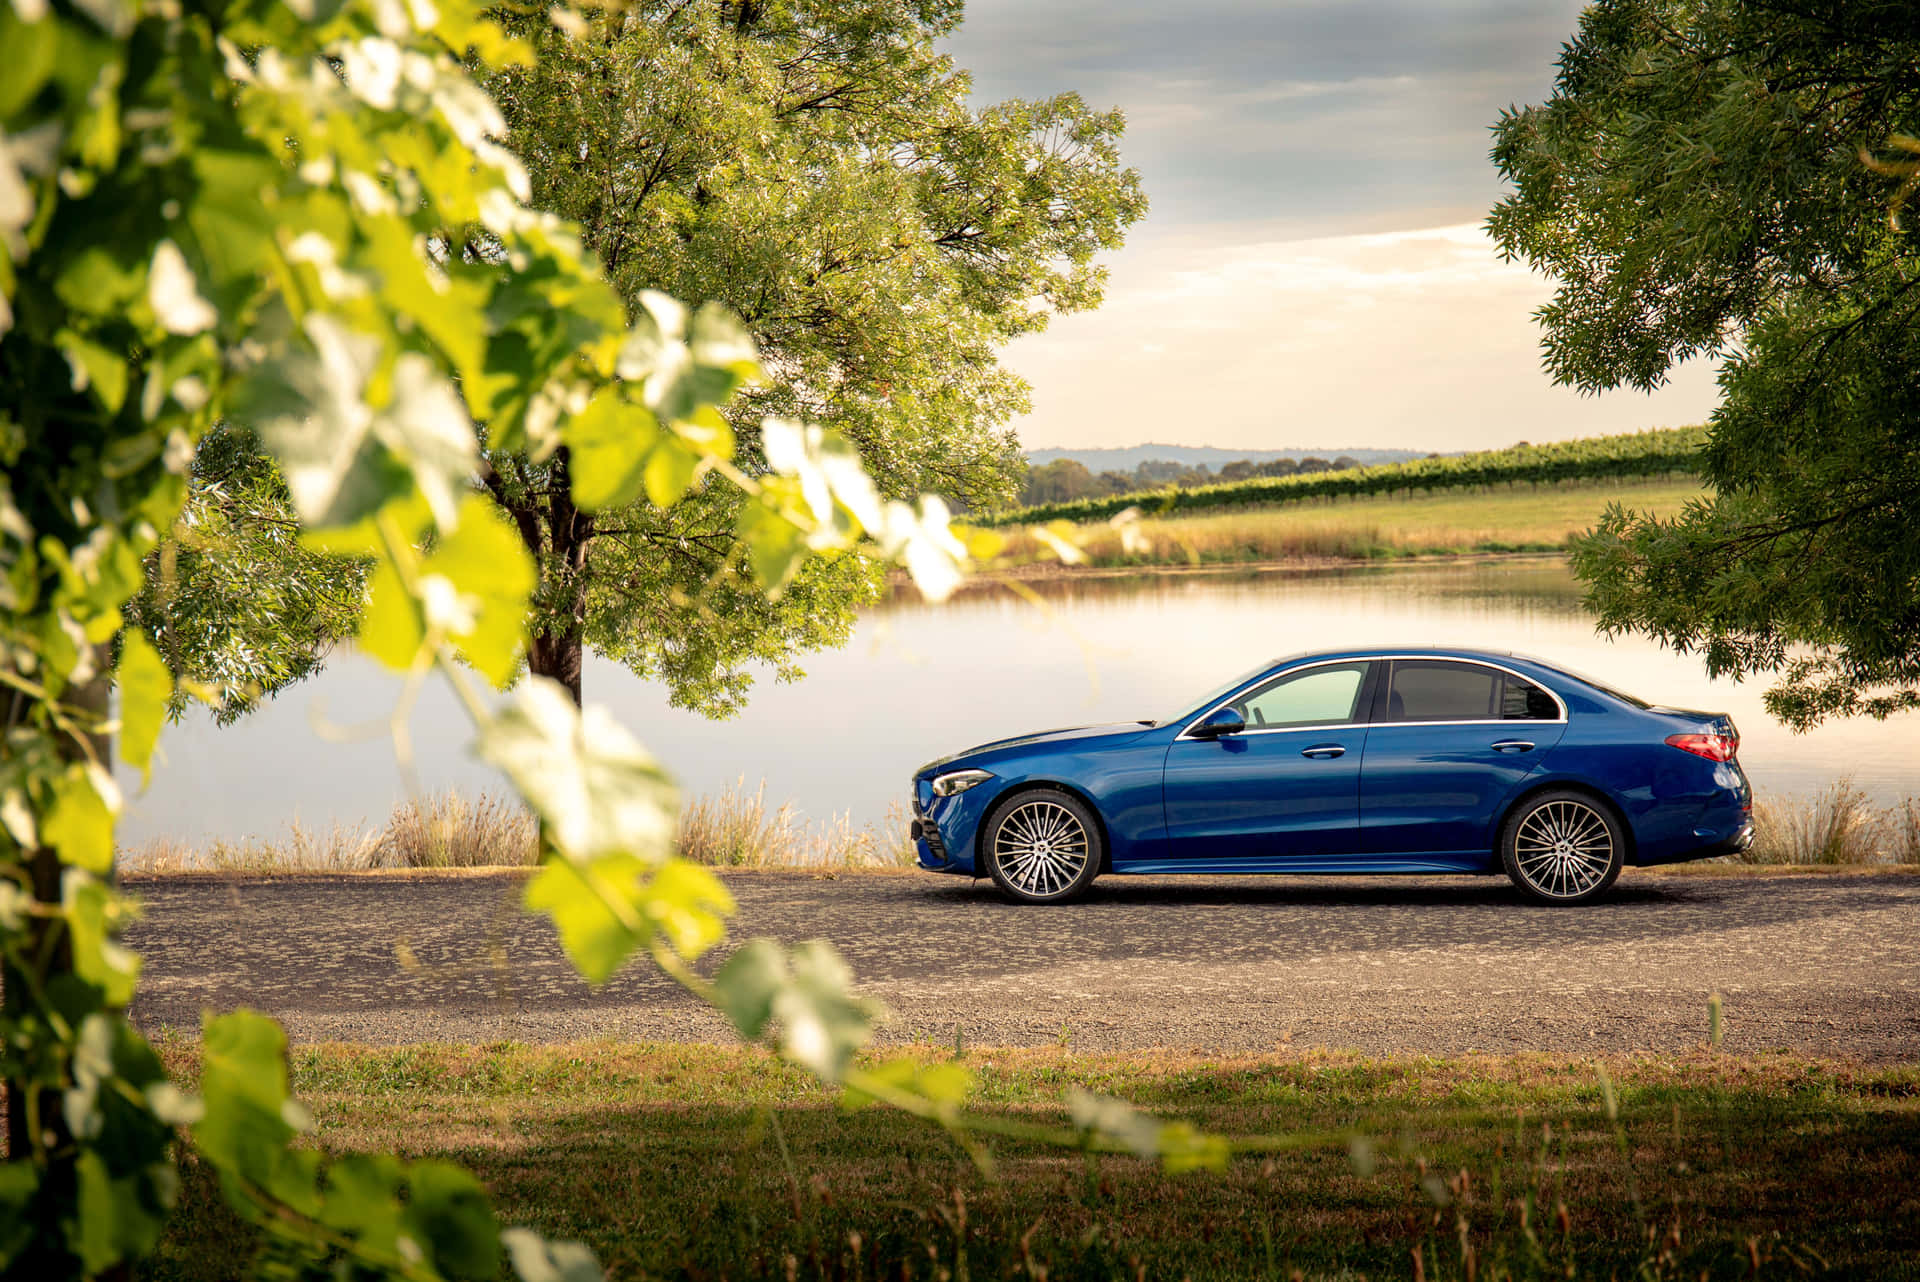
point(1312, 270)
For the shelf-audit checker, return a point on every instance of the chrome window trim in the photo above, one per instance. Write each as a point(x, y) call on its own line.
point(1560, 703)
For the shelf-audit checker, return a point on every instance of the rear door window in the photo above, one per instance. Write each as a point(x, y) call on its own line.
point(1435, 690)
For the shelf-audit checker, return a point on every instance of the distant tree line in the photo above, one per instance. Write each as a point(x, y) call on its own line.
point(1066, 480)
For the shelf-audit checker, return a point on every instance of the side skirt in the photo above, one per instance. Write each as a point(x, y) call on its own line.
point(1439, 861)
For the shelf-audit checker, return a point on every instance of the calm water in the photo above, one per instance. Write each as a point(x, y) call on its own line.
point(921, 681)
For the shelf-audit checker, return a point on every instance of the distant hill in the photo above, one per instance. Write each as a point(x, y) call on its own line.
point(1128, 458)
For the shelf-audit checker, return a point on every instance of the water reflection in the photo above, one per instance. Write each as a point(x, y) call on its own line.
point(920, 681)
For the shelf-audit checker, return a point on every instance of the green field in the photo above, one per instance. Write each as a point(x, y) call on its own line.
point(1633, 456)
point(709, 1162)
point(1506, 518)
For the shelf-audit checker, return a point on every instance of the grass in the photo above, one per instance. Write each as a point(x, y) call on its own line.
point(1839, 826)
point(1533, 518)
point(693, 1161)
point(450, 830)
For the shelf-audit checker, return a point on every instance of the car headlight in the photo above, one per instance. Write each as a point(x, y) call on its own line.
point(958, 781)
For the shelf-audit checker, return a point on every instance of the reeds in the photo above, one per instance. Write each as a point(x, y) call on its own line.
point(1839, 826)
point(451, 830)
point(735, 830)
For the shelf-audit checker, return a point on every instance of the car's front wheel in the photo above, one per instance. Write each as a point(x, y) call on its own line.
point(1562, 848)
point(1042, 847)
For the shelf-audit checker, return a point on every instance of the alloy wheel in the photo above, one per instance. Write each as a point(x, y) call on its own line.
point(1041, 848)
point(1564, 850)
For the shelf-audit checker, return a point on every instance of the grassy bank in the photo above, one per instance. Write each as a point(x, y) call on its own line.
point(735, 829)
point(709, 1162)
point(1841, 826)
point(1524, 518)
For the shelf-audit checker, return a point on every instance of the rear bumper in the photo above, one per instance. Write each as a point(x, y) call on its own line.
point(1713, 845)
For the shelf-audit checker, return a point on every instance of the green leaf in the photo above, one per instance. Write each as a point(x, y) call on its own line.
point(669, 472)
point(93, 914)
point(491, 570)
point(605, 908)
point(806, 994)
point(448, 1214)
point(775, 545)
point(598, 790)
point(747, 984)
point(537, 1260)
point(145, 689)
point(610, 440)
point(344, 459)
point(391, 629)
point(19, 1188)
point(80, 823)
point(596, 938)
point(1176, 1145)
point(944, 1083)
point(250, 1117)
point(96, 368)
point(821, 1022)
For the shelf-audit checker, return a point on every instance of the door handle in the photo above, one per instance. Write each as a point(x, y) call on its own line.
point(1321, 751)
point(1513, 745)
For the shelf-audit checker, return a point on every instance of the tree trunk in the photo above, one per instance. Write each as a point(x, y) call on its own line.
point(45, 936)
point(558, 649)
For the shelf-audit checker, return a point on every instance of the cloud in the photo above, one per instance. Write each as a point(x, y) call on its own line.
point(1301, 108)
point(1415, 339)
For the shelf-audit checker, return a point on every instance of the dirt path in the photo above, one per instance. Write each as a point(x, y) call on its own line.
point(1826, 965)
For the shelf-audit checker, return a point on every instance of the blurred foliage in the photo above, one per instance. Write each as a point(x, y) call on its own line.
point(321, 240)
point(1716, 181)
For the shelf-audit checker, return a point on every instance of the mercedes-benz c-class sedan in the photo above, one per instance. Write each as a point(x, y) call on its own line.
point(1361, 761)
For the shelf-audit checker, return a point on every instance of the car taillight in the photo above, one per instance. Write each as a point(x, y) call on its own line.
point(1714, 747)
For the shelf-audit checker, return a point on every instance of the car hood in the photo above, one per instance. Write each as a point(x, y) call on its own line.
point(1117, 729)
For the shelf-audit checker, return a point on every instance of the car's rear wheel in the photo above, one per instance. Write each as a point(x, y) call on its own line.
point(1042, 847)
point(1562, 848)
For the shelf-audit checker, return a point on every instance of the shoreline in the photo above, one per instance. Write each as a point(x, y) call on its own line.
point(898, 581)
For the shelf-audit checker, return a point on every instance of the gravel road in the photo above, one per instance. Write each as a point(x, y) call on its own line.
point(1820, 965)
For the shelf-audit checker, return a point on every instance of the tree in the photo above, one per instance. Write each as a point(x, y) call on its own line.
point(816, 168)
point(1718, 181)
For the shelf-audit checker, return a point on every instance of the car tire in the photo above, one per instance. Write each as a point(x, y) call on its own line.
point(1563, 847)
point(1042, 846)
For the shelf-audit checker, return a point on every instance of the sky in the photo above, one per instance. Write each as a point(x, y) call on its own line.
point(1311, 272)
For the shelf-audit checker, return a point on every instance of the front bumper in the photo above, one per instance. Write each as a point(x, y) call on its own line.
point(942, 828)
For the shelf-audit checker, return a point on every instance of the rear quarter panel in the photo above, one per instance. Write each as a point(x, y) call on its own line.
point(1661, 792)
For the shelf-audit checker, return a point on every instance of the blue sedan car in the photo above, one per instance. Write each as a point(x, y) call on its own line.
point(1361, 761)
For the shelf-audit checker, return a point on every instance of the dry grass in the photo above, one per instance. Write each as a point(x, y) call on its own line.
point(1519, 519)
point(1839, 826)
point(451, 830)
point(736, 830)
point(688, 1161)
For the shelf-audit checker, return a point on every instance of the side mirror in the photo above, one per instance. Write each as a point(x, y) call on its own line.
point(1221, 721)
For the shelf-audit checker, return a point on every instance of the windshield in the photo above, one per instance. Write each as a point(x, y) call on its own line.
point(1193, 708)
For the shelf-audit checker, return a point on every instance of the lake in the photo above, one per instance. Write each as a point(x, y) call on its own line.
point(920, 681)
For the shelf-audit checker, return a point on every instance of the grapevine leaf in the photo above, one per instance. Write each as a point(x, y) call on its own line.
point(80, 824)
point(606, 907)
point(805, 995)
point(93, 913)
point(343, 459)
point(537, 1260)
point(610, 440)
point(448, 1213)
point(945, 1083)
point(596, 788)
point(493, 573)
point(145, 688)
